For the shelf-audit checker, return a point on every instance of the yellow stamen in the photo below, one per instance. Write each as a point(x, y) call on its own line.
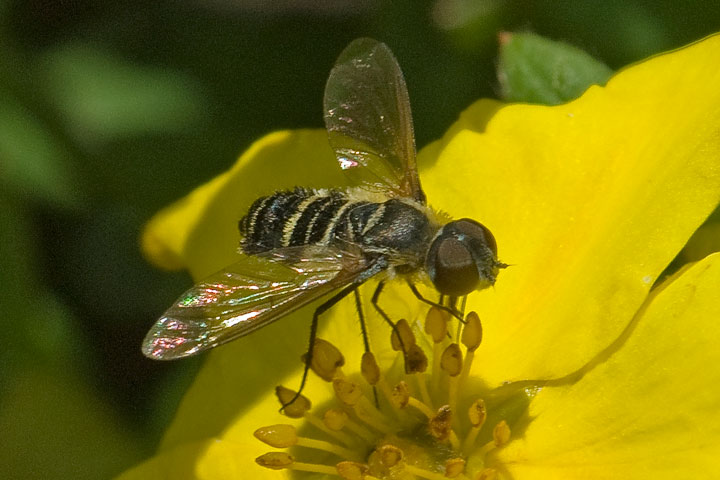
point(282, 460)
point(352, 470)
point(390, 455)
point(326, 360)
point(372, 416)
point(424, 409)
point(454, 467)
point(424, 393)
point(285, 436)
point(422, 473)
point(472, 332)
point(415, 360)
point(452, 362)
point(346, 391)
point(501, 434)
point(477, 413)
point(402, 336)
point(361, 431)
point(278, 436)
point(336, 434)
point(327, 447)
point(275, 460)
point(440, 426)
point(487, 474)
point(471, 338)
point(370, 369)
point(300, 405)
point(436, 324)
point(400, 394)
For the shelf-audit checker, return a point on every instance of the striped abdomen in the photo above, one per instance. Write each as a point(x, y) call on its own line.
point(302, 217)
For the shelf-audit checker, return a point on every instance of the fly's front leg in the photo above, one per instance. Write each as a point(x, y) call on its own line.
point(452, 301)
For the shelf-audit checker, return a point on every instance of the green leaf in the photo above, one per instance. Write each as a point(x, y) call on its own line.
point(104, 97)
point(33, 161)
point(534, 69)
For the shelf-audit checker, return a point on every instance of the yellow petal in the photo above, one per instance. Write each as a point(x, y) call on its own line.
point(589, 202)
point(200, 231)
point(213, 459)
point(650, 410)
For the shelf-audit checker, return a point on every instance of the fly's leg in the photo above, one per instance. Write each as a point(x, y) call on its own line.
point(313, 333)
point(366, 341)
point(374, 301)
point(450, 308)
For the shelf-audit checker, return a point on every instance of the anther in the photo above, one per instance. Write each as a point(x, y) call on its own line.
point(415, 360)
point(351, 470)
point(440, 427)
point(402, 336)
point(346, 391)
point(436, 324)
point(501, 434)
point(400, 395)
point(487, 474)
point(326, 359)
point(285, 436)
point(454, 467)
point(335, 419)
point(441, 424)
point(336, 434)
point(472, 332)
point(451, 360)
point(370, 369)
point(299, 405)
point(282, 460)
point(278, 436)
point(477, 413)
point(471, 338)
point(275, 460)
point(390, 455)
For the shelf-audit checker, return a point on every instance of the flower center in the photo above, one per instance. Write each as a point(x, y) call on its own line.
point(401, 423)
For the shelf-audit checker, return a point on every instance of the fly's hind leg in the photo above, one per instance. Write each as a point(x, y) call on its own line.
point(313, 333)
point(366, 341)
point(374, 301)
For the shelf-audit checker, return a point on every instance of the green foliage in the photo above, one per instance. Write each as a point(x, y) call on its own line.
point(534, 69)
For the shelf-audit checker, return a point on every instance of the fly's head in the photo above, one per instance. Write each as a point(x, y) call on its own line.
point(462, 258)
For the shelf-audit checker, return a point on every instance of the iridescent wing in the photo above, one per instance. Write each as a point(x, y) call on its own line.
point(249, 295)
point(368, 119)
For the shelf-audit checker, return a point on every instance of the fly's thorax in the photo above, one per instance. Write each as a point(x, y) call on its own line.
point(400, 228)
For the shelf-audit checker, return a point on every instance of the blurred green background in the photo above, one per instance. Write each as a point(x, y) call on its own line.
point(111, 110)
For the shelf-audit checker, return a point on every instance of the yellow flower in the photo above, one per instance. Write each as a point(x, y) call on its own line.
point(597, 373)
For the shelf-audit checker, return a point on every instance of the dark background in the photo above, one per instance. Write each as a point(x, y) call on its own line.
point(111, 110)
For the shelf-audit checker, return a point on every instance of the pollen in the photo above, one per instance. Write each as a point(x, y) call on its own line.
point(401, 421)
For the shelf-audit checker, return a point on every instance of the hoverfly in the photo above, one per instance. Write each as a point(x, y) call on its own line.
point(302, 245)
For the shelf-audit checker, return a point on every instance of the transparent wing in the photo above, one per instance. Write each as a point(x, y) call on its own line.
point(368, 119)
point(246, 296)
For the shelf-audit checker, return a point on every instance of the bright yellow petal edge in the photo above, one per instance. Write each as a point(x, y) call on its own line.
point(589, 201)
point(649, 411)
point(444, 184)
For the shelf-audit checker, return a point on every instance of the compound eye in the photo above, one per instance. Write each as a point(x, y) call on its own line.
point(455, 272)
point(477, 231)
